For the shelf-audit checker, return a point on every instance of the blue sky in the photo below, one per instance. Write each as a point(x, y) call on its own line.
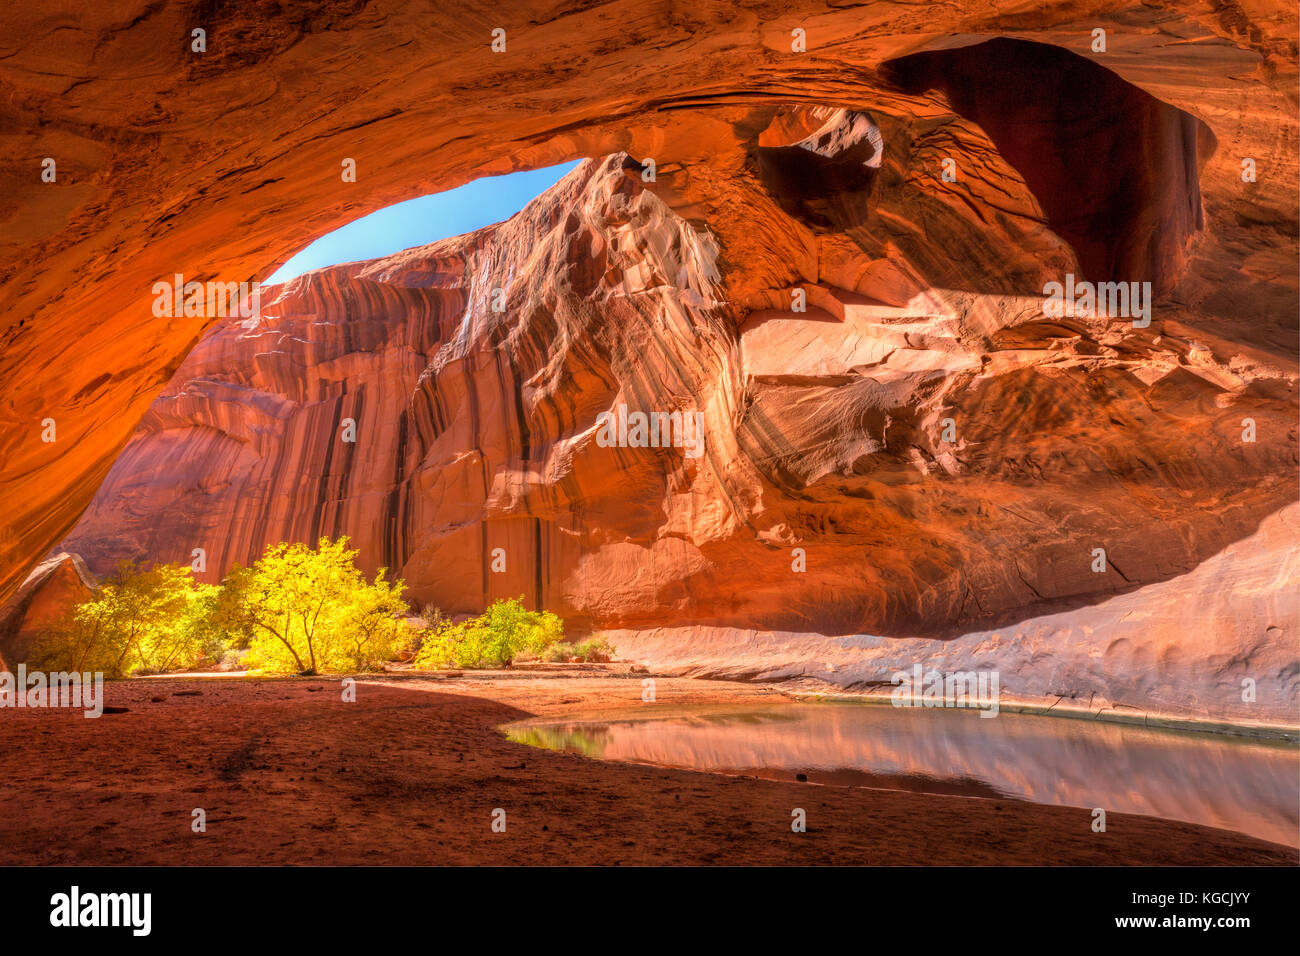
point(424, 220)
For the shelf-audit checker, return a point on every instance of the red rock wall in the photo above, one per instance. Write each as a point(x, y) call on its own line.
point(476, 430)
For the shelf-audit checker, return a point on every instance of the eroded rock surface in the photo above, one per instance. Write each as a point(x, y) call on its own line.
point(1182, 648)
point(56, 584)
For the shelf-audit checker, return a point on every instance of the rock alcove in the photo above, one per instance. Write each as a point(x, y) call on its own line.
point(825, 427)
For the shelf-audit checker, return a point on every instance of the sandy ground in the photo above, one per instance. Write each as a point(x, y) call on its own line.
point(410, 773)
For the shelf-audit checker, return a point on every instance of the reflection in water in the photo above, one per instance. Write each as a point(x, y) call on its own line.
point(1248, 786)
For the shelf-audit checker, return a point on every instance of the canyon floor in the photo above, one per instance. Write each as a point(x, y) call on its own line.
point(411, 772)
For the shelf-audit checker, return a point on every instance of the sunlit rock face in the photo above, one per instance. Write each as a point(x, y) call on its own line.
point(391, 402)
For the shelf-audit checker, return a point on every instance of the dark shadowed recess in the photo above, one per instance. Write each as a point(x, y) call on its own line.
point(1115, 169)
point(826, 179)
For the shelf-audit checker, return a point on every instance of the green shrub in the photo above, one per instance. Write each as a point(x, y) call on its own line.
point(495, 638)
point(592, 650)
point(595, 650)
point(558, 653)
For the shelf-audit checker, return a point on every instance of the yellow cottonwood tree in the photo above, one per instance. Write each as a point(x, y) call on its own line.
point(139, 620)
point(311, 610)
